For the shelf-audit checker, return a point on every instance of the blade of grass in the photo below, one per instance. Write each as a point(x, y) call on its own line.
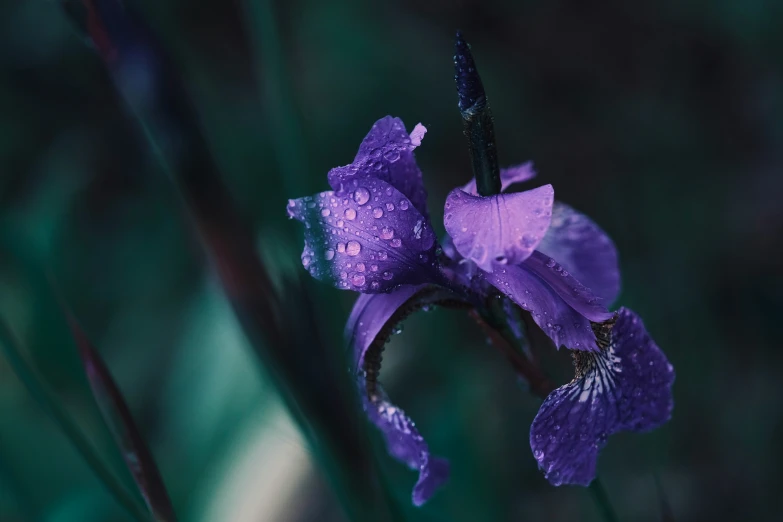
point(118, 418)
point(47, 399)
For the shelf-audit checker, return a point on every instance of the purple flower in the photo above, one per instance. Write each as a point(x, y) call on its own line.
point(371, 233)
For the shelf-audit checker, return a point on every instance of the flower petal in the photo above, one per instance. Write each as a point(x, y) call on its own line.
point(564, 325)
point(574, 293)
point(500, 229)
point(625, 386)
point(369, 316)
point(387, 154)
point(405, 443)
point(585, 250)
point(369, 325)
point(508, 176)
point(368, 238)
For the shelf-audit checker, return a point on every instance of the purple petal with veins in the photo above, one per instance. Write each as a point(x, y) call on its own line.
point(624, 387)
point(574, 293)
point(508, 176)
point(498, 230)
point(353, 240)
point(583, 249)
point(564, 325)
point(387, 154)
point(369, 318)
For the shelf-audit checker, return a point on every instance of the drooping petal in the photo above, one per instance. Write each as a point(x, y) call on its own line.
point(387, 154)
point(508, 176)
point(405, 443)
point(564, 325)
point(368, 238)
point(369, 326)
point(585, 250)
point(369, 316)
point(501, 229)
point(625, 386)
point(574, 293)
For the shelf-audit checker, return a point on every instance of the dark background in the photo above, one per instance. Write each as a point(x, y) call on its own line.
point(663, 122)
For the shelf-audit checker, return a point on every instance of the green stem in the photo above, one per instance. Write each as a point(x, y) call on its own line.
point(46, 398)
point(602, 501)
point(479, 128)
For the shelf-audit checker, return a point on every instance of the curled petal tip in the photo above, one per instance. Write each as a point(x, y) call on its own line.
point(417, 134)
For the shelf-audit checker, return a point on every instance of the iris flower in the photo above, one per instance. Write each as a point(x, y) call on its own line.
point(372, 234)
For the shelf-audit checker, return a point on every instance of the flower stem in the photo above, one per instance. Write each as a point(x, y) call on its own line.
point(477, 121)
point(602, 501)
point(502, 338)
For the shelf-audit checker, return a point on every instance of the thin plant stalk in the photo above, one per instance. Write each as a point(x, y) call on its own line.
point(47, 399)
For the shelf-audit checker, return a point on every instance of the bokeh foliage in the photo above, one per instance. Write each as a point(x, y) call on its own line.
point(663, 122)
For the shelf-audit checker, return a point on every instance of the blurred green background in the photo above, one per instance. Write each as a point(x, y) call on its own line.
point(663, 122)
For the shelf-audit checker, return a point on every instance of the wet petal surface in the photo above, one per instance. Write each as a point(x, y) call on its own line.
point(625, 386)
point(508, 176)
point(564, 325)
point(583, 249)
point(387, 154)
point(405, 443)
point(355, 242)
point(499, 230)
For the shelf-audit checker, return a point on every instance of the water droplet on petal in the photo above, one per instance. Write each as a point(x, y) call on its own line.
point(417, 229)
point(373, 268)
point(357, 279)
point(329, 254)
point(389, 206)
point(325, 212)
point(377, 212)
point(550, 263)
point(360, 267)
point(404, 204)
point(396, 242)
point(361, 196)
point(306, 261)
point(375, 285)
point(392, 155)
point(353, 248)
point(538, 454)
point(341, 247)
point(387, 275)
point(387, 232)
point(350, 214)
point(382, 256)
point(528, 241)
